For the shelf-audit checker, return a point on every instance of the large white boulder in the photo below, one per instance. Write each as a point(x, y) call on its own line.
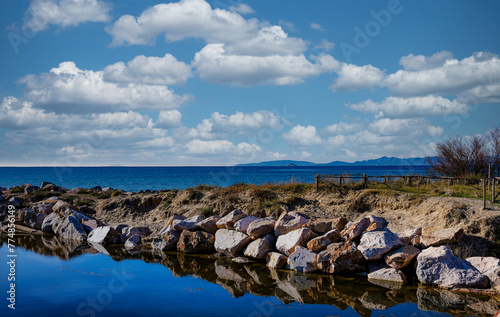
point(289, 221)
point(231, 241)
point(438, 265)
point(374, 244)
point(287, 243)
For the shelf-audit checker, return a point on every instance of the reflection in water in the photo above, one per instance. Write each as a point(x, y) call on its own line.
point(288, 287)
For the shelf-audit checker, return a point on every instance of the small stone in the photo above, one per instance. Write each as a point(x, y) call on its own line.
point(276, 260)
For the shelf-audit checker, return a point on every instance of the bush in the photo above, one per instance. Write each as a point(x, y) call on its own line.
point(468, 158)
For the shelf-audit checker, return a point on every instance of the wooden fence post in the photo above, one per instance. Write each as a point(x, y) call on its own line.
point(365, 180)
point(493, 191)
point(340, 179)
point(484, 193)
point(316, 182)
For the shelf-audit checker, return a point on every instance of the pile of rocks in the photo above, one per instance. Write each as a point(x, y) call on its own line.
point(297, 243)
point(58, 217)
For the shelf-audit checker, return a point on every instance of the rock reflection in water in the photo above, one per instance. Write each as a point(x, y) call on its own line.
point(288, 287)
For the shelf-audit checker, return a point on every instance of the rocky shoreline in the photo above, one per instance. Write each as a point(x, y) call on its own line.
point(292, 241)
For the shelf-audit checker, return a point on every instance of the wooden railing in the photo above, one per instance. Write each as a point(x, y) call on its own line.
point(341, 179)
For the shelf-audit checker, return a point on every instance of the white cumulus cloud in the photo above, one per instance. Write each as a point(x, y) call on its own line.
point(353, 77)
point(69, 89)
point(43, 13)
point(411, 107)
point(166, 70)
point(300, 135)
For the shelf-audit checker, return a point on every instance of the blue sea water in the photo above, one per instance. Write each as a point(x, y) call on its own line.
point(155, 178)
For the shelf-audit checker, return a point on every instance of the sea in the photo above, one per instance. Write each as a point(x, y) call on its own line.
point(135, 179)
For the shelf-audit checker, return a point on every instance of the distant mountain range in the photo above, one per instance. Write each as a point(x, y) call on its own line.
point(383, 161)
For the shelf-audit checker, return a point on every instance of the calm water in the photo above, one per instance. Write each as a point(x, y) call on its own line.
point(154, 178)
point(56, 279)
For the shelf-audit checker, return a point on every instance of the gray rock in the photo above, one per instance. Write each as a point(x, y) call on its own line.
point(303, 260)
point(30, 188)
point(354, 230)
point(46, 184)
point(133, 242)
point(374, 244)
point(42, 207)
point(134, 231)
point(376, 223)
point(411, 236)
point(96, 188)
point(401, 257)
point(209, 224)
point(388, 274)
point(287, 243)
point(242, 224)
point(197, 242)
point(167, 241)
point(104, 235)
point(119, 228)
point(289, 221)
point(261, 227)
point(72, 229)
point(228, 221)
point(276, 260)
point(186, 224)
point(51, 222)
point(35, 221)
point(324, 225)
point(318, 244)
point(231, 241)
point(489, 266)
point(259, 248)
point(15, 201)
point(341, 257)
point(431, 238)
point(438, 265)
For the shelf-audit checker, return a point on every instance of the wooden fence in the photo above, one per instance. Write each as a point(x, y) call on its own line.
point(341, 179)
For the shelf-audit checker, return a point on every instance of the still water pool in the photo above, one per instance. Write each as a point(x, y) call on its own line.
point(56, 278)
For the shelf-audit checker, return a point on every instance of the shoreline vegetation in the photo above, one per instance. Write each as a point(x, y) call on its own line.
point(432, 234)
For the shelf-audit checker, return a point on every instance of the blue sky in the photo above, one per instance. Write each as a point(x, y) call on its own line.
point(195, 82)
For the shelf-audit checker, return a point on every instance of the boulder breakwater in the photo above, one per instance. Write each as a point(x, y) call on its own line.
point(292, 241)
